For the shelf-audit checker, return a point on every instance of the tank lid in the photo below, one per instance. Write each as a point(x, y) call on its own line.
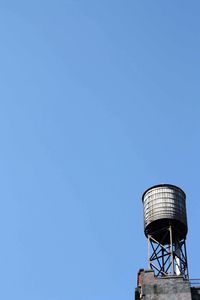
point(163, 185)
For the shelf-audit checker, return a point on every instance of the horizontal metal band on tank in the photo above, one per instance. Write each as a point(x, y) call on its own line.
point(160, 202)
point(166, 212)
point(163, 195)
point(172, 205)
point(154, 196)
point(164, 216)
point(159, 195)
point(160, 206)
point(165, 190)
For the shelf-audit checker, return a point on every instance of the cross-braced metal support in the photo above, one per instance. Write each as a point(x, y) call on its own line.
point(167, 257)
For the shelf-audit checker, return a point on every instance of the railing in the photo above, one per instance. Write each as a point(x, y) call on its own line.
point(195, 282)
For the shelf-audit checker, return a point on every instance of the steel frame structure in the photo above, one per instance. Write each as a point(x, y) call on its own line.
point(168, 256)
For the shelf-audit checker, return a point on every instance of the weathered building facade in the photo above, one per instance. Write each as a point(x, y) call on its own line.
point(150, 287)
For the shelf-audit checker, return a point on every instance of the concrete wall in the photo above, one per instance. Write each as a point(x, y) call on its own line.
point(165, 288)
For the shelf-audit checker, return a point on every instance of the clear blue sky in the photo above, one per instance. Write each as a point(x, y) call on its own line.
point(99, 101)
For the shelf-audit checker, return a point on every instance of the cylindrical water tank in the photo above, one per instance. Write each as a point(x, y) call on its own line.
point(165, 205)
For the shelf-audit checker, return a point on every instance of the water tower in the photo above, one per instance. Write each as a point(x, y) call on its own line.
point(165, 226)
